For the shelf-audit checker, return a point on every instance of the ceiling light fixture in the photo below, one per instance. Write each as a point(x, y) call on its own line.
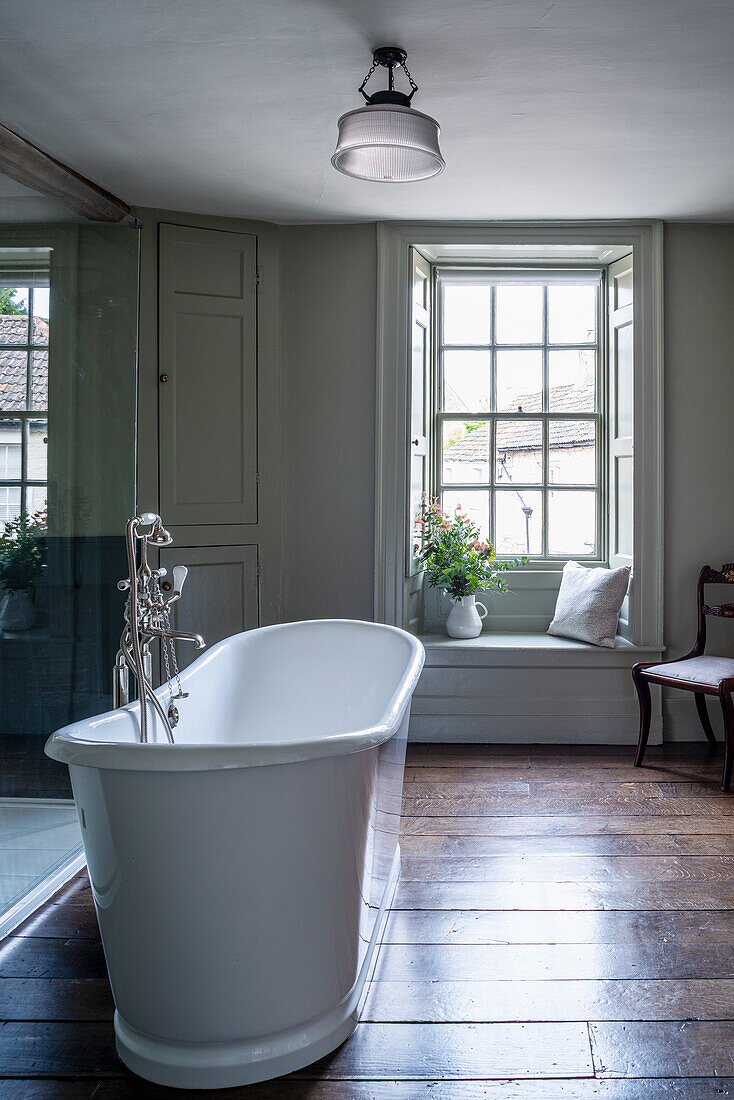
point(387, 141)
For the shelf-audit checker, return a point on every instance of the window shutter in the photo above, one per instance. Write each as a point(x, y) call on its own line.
point(418, 461)
point(621, 420)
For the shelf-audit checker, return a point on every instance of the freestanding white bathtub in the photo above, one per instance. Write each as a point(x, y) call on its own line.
point(242, 876)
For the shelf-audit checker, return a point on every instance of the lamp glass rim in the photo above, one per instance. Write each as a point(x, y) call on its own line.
point(340, 153)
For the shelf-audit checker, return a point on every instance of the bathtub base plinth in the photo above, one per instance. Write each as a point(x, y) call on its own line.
point(222, 1065)
point(225, 1065)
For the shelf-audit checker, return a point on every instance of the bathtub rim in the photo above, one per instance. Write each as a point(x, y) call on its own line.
point(72, 744)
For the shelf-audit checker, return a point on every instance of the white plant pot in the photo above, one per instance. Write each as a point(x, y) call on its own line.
point(464, 620)
point(17, 612)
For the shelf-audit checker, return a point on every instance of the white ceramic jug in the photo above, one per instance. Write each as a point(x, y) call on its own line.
point(464, 620)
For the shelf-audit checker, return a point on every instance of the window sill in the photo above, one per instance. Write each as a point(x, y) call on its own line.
point(532, 649)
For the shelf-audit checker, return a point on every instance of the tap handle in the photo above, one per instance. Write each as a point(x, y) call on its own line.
point(180, 572)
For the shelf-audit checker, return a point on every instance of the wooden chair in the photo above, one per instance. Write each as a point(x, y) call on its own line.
point(696, 672)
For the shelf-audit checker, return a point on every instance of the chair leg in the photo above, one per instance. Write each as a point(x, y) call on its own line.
point(643, 693)
point(728, 708)
point(703, 714)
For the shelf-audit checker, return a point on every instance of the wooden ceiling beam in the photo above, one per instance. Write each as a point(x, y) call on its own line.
point(27, 164)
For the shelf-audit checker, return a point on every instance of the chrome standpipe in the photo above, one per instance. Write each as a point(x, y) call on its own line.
point(147, 616)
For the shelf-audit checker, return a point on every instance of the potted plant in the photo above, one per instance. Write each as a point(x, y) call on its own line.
point(22, 562)
point(458, 561)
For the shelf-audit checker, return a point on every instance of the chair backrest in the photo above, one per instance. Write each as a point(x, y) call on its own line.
point(725, 575)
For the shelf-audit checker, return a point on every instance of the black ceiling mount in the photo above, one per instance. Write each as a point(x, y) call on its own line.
point(389, 57)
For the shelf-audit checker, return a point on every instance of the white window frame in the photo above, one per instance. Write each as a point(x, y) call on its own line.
point(493, 275)
point(26, 416)
point(645, 241)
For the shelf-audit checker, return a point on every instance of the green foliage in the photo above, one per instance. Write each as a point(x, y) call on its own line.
point(455, 557)
point(22, 552)
point(8, 307)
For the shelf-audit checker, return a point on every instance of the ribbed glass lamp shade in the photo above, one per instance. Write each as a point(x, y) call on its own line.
point(388, 144)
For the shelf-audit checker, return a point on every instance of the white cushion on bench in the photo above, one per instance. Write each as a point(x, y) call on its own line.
point(589, 602)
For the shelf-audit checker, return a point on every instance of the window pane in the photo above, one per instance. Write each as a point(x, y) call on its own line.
point(13, 315)
point(10, 449)
point(571, 314)
point(519, 451)
point(466, 314)
point(39, 384)
point(519, 314)
point(518, 522)
point(572, 452)
point(12, 379)
point(519, 381)
point(571, 523)
point(40, 329)
point(36, 498)
point(572, 381)
point(10, 459)
point(37, 450)
point(474, 503)
point(465, 452)
point(9, 503)
point(466, 376)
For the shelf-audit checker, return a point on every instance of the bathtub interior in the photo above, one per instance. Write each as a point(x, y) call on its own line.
point(296, 682)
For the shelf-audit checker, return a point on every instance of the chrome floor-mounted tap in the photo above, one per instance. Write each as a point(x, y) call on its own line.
point(148, 616)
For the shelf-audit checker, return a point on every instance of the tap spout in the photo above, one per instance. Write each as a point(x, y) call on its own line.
point(177, 635)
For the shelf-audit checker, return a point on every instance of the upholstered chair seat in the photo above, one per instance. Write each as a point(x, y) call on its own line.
point(696, 670)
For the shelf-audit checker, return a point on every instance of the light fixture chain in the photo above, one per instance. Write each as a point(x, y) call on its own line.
point(364, 82)
point(412, 83)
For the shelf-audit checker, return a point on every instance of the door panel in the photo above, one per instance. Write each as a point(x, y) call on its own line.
point(208, 376)
point(220, 597)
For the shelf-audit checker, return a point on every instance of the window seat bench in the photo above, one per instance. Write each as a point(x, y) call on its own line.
point(529, 688)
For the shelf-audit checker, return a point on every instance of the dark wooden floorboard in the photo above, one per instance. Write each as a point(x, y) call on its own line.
point(565, 895)
point(455, 926)
point(563, 931)
point(455, 1051)
point(663, 1049)
point(579, 1089)
point(557, 961)
point(542, 1000)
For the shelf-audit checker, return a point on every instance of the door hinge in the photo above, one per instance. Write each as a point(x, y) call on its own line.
point(258, 278)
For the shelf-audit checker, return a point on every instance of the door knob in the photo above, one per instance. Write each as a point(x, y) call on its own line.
point(164, 378)
point(415, 442)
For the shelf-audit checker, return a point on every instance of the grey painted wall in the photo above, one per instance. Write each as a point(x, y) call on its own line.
point(328, 311)
point(328, 276)
point(699, 436)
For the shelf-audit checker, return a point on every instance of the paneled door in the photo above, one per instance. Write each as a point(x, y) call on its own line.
point(207, 308)
point(220, 596)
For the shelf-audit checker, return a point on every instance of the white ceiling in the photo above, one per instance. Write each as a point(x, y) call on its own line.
point(548, 108)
